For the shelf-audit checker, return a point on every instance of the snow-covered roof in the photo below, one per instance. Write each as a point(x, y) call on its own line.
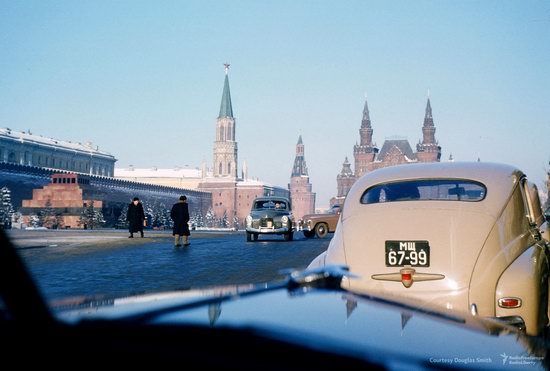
point(27, 137)
point(252, 182)
point(258, 183)
point(154, 172)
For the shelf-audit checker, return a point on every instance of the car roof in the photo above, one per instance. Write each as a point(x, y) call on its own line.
point(500, 179)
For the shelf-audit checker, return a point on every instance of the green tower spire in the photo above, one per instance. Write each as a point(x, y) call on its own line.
point(226, 109)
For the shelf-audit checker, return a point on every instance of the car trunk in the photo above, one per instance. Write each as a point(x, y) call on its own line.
point(454, 231)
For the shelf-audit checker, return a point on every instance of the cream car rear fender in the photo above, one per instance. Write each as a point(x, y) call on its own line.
point(527, 279)
point(335, 253)
point(319, 261)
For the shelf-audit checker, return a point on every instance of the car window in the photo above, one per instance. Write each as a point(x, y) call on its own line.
point(425, 190)
point(270, 205)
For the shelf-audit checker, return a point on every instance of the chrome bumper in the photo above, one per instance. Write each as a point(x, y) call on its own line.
point(267, 230)
point(303, 226)
point(515, 321)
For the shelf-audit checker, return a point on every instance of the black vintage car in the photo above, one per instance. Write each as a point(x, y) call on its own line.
point(270, 215)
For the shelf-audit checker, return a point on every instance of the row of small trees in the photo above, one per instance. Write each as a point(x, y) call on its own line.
point(158, 215)
point(90, 217)
point(47, 217)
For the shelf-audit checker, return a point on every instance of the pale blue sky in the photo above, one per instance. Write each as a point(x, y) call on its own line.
point(143, 79)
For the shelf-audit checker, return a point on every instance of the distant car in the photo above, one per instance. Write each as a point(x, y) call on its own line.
point(270, 215)
point(463, 236)
point(319, 224)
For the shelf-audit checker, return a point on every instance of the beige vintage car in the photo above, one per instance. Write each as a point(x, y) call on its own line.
point(319, 224)
point(469, 237)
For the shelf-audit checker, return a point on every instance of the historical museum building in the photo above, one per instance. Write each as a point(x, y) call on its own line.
point(303, 200)
point(24, 148)
point(393, 152)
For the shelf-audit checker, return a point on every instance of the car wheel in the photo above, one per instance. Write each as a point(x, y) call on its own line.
point(289, 236)
point(309, 234)
point(321, 230)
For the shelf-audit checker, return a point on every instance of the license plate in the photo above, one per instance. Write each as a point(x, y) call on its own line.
point(413, 253)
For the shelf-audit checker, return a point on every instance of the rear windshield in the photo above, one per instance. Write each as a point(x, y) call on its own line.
point(425, 190)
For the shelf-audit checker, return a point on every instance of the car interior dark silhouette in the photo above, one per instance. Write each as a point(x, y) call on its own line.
point(32, 334)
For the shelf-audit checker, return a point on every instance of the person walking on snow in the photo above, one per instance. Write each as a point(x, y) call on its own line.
point(180, 216)
point(135, 217)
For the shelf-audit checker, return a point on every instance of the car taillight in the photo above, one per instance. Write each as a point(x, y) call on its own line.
point(509, 302)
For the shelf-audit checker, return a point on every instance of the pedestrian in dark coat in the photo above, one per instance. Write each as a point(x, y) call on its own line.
point(180, 216)
point(135, 217)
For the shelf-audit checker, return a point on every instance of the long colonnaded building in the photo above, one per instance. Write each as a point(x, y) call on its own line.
point(24, 148)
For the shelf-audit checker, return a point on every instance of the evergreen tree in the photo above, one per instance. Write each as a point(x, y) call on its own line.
point(200, 220)
point(6, 208)
point(48, 215)
point(91, 217)
point(159, 215)
point(17, 217)
point(148, 211)
point(167, 219)
point(34, 221)
point(59, 221)
point(210, 218)
point(122, 223)
point(195, 221)
point(236, 223)
point(98, 219)
point(224, 222)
